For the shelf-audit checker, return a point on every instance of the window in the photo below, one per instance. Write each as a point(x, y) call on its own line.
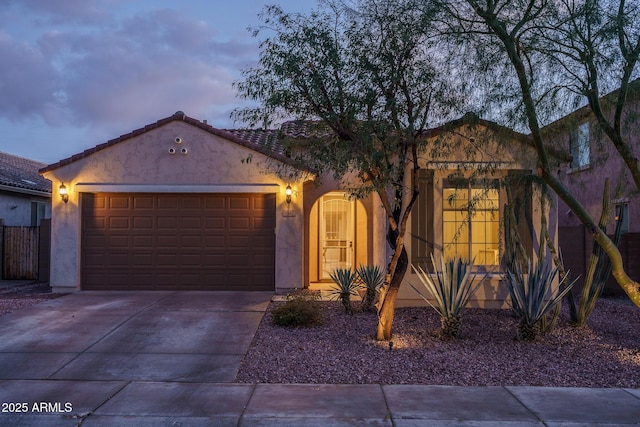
point(37, 213)
point(579, 146)
point(471, 224)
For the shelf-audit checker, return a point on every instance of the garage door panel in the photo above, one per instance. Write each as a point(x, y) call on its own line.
point(167, 242)
point(119, 202)
point(169, 202)
point(240, 202)
point(167, 260)
point(141, 260)
point(215, 259)
point(262, 260)
point(96, 240)
point(213, 242)
point(167, 223)
point(141, 202)
point(141, 242)
point(94, 223)
point(118, 241)
point(143, 222)
point(178, 241)
point(239, 224)
point(119, 222)
point(240, 241)
point(262, 241)
point(188, 242)
point(212, 223)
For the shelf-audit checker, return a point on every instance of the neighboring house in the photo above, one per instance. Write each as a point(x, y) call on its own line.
point(180, 205)
point(25, 201)
point(594, 160)
point(25, 196)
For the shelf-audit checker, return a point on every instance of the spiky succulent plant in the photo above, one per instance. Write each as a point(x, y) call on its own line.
point(452, 289)
point(346, 286)
point(372, 277)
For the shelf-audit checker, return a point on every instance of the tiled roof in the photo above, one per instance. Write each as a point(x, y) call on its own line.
point(22, 174)
point(269, 141)
point(262, 141)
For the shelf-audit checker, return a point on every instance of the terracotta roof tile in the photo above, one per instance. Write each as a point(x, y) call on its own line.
point(22, 173)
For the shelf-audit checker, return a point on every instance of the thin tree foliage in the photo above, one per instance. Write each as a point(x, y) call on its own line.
point(364, 80)
point(552, 56)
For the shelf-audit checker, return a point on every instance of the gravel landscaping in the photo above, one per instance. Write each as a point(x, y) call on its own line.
point(604, 353)
point(20, 296)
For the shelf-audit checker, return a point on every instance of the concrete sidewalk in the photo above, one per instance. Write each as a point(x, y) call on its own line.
point(169, 358)
point(124, 403)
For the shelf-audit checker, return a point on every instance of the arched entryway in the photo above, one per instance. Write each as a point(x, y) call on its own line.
point(339, 236)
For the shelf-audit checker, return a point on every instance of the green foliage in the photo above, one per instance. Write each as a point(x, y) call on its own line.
point(346, 286)
point(372, 277)
point(452, 290)
point(301, 309)
point(598, 269)
point(532, 295)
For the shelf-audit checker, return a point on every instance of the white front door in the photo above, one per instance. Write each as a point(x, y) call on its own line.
point(336, 233)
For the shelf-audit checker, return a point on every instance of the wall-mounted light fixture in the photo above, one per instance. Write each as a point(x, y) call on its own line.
point(64, 195)
point(288, 191)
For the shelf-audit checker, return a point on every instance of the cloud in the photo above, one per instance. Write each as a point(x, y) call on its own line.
point(125, 71)
point(67, 11)
point(27, 82)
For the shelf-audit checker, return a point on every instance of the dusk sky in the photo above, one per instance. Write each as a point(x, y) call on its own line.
point(76, 73)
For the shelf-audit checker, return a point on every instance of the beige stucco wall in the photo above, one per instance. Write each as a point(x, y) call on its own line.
point(144, 164)
point(493, 159)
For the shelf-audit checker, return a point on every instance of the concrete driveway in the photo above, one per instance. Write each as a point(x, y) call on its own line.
point(168, 358)
point(131, 336)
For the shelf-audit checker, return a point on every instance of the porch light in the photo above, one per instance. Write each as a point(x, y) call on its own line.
point(288, 191)
point(64, 195)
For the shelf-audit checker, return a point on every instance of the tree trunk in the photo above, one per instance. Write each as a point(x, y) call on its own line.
point(386, 314)
point(631, 288)
point(387, 303)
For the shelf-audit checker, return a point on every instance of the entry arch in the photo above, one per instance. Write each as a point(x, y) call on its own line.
point(339, 235)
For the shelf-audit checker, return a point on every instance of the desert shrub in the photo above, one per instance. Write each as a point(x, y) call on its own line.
point(533, 295)
point(452, 289)
point(372, 277)
point(346, 285)
point(301, 309)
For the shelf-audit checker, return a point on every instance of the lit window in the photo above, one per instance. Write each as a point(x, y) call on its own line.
point(471, 223)
point(579, 146)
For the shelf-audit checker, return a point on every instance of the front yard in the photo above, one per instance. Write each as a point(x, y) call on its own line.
point(605, 353)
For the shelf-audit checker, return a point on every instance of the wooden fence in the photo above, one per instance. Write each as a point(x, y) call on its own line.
point(21, 249)
point(576, 245)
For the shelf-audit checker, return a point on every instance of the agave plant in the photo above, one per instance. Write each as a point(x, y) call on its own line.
point(533, 296)
point(372, 277)
point(346, 285)
point(452, 290)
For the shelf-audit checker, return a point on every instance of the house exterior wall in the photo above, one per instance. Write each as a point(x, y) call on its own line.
point(587, 183)
point(143, 164)
point(494, 161)
point(15, 208)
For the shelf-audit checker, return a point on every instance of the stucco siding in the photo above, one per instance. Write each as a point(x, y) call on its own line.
point(145, 162)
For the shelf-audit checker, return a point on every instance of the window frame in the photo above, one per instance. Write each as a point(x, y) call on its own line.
point(580, 147)
point(469, 186)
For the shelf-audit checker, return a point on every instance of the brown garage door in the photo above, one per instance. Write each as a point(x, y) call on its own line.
point(178, 241)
